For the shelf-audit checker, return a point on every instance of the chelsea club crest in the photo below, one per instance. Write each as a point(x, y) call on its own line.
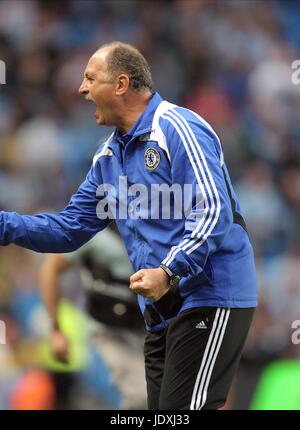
point(152, 158)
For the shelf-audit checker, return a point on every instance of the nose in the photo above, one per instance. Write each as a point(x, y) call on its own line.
point(83, 89)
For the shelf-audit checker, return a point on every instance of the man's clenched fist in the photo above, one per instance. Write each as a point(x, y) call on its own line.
point(150, 283)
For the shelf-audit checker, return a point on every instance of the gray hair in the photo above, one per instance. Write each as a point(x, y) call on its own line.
point(125, 58)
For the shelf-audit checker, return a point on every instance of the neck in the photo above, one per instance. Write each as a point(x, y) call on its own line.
point(132, 107)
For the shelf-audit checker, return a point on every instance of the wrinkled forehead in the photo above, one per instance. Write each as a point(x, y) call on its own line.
point(97, 63)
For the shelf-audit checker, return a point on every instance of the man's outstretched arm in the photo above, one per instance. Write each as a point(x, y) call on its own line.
point(57, 233)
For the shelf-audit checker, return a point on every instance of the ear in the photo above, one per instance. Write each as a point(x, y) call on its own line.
point(121, 84)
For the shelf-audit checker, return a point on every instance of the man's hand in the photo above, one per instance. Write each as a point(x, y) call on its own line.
point(59, 346)
point(150, 283)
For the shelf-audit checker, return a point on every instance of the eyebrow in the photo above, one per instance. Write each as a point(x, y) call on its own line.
point(88, 75)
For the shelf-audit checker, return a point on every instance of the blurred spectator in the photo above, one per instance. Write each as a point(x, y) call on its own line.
point(35, 391)
point(118, 327)
point(264, 210)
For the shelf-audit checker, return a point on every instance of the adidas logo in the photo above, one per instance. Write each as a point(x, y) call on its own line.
point(201, 324)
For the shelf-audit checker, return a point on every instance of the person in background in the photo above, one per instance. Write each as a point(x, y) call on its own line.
point(117, 324)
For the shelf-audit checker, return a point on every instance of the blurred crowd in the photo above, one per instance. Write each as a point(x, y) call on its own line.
point(228, 60)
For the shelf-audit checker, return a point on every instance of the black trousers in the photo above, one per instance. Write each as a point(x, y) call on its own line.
point(191, 363)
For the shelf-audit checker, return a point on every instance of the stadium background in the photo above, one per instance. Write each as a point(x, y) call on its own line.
point(228, 60)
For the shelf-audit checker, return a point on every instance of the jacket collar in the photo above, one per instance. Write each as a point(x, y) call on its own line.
point(143, 124)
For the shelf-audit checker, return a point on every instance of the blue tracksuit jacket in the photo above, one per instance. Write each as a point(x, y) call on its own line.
point(208, 247)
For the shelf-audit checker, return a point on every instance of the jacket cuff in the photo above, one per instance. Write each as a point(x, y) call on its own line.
point(179, 268)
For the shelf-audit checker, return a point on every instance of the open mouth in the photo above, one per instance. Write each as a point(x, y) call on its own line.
point(97, 113)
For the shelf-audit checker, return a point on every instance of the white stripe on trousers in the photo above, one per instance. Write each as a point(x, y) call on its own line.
point(209, 358)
